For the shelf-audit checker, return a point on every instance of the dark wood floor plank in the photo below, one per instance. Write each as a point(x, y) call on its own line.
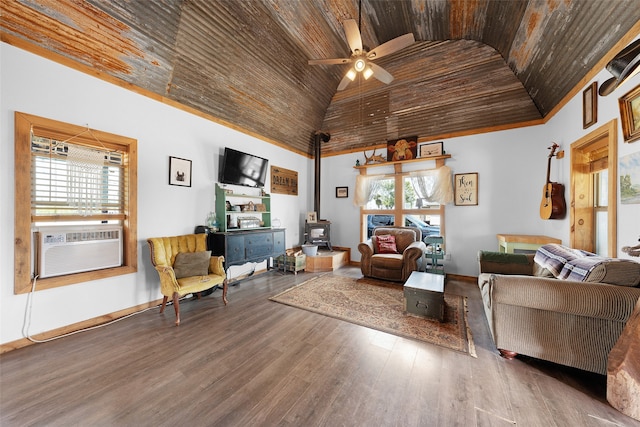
point(257, 362)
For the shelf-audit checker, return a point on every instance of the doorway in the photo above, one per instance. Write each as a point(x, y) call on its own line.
point(594, 189)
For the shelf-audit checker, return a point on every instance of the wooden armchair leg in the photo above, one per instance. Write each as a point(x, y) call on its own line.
point(176, 307)
point(224, 291)
point(164, 303)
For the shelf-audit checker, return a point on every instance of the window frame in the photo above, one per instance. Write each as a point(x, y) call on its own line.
point(23, 249)
point(399, 212)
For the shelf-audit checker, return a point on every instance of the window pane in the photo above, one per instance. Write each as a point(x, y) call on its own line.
point(64, 186)
point(382, 195)
point(428, 224)
point(378, 221)
point(602, 222)
point(416, 192)
point(602, 185)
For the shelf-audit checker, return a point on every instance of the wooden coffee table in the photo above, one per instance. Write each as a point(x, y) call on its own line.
point(424, 295)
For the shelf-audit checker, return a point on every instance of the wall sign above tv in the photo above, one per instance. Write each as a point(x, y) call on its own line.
point(240, 168)
point(284, 181)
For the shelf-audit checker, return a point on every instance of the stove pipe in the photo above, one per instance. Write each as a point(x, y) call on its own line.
point(319, 138)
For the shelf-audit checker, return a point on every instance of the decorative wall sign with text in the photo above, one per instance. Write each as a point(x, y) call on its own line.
point(284, 181)
point(466, 189)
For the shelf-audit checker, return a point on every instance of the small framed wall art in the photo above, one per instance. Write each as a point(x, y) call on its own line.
point(179, 172)
point(630, 114)
point(466, 189)
point(342, 192)
point(430, 149)
point(590, 105)
point(312, 217)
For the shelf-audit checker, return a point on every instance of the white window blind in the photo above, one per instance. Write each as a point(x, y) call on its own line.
point(70, 179)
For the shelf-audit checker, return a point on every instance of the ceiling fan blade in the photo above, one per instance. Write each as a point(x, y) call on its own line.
point(391, 46)
point(353, 35)
point(380, 73)
point(344, 83)
point(335, 61)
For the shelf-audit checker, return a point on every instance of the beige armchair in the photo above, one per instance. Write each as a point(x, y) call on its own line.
point(186, 267)
point(393, 266)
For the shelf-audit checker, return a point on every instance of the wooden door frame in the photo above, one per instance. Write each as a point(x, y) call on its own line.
point(610, 132)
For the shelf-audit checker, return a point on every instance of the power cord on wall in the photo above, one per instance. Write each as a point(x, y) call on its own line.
point(29, 309)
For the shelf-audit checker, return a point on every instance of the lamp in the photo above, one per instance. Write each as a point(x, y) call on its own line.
point(368, 72)
point(351, 74)
point(359, 65)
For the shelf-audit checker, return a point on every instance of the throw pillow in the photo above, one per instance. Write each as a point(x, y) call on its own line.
point(386, 244)
point(188, 264)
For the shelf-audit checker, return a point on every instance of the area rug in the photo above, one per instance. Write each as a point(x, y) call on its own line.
point(379, 305)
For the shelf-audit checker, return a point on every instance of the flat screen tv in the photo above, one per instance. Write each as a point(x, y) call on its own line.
point(240, 168)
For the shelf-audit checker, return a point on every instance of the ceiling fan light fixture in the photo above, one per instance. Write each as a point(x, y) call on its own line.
point(368, 72)
point(351, 74)
point(359, 65)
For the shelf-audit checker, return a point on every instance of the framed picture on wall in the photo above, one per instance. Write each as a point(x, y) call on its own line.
point(630, 114)
point(590, 105)
point(342, 192)
point(179, 172)
point(466, 189)
point(430, 149)
point(402, 149)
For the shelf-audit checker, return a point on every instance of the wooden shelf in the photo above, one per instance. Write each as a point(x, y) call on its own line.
point(223, 214)
point(423, 159)
point(247, 196)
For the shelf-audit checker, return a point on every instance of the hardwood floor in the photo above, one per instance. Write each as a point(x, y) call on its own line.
point(259, 363)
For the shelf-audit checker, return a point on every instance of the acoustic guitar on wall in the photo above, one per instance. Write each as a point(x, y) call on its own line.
point(552, 205)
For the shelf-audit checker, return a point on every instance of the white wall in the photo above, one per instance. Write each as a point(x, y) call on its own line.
point(40, 87)
point(511, 166)
point(512, 169)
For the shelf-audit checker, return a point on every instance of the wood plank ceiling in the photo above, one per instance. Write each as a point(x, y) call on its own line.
point(476, 64)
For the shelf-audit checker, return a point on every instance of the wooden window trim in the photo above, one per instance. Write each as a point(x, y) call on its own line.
point(398, 211)
point(23, 219)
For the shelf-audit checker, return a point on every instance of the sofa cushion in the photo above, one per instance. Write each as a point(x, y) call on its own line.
point(386, 244)
point(505, 263)
point(387, 261)
point(597, 269)
point(188, 264)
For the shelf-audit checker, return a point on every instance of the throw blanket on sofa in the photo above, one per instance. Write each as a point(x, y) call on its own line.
point(555, 257)
point(582, 266)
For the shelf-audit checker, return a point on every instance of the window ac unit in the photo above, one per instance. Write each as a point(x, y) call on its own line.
point(74, 249)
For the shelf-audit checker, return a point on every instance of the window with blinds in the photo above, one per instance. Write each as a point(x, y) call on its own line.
point(70, 180)
point(70, 177)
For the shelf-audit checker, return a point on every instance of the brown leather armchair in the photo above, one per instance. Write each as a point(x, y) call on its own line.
point(393, 266)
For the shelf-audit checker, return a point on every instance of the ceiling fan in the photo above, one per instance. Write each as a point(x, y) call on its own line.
point(362, 58)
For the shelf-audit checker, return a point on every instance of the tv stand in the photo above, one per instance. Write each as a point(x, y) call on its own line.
point(241, 247)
